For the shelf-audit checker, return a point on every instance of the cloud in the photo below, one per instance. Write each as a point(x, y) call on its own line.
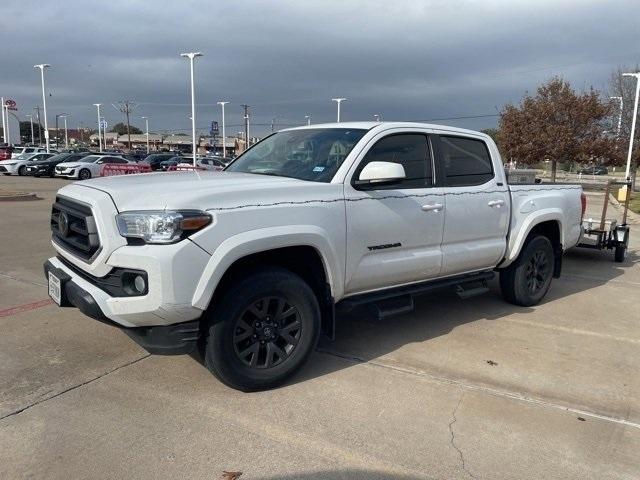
point(405, 59)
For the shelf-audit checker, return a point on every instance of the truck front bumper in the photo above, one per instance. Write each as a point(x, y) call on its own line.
point(76, 292)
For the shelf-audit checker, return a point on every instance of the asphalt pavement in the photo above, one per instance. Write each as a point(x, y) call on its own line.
point(458, 389)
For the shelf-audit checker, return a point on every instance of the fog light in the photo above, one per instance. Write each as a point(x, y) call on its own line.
point(140, 284)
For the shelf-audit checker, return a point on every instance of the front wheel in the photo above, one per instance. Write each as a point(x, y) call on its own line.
point(84, 174)
point(22, 171)
point(526, 281)
point(262, 330)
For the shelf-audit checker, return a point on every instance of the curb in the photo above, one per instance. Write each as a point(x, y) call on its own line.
point(631, 215)
point(19, 197)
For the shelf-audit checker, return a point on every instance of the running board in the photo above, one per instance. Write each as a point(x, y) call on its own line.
point(466, 286)
point(391, 307)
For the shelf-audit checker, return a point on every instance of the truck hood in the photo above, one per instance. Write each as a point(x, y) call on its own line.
point(203, 190)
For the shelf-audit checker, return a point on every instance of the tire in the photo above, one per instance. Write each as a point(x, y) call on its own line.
point(620, 253)
point(22, 171)
point(84, 174)
point(526, 281)
point(251, 346)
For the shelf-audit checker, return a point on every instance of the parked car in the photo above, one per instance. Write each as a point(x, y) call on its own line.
point(5, 152)
point(18, 166)
point(155, 159)
point(23, 152)
point(172, 162)
point(251, 263)
point(595, 170)
point(204, 163)
point(87, 167)
point(46, 168)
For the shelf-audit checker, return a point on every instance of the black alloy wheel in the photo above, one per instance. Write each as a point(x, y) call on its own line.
point(267, 332)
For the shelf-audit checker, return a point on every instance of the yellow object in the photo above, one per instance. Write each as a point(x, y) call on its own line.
point(622, 194)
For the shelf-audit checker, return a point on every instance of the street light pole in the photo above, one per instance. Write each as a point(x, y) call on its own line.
point(42, 66)
point(4, 123)
point(31, 121)
point(146, 123)
point(191, 56)
point(37, 110)
point(338, 101)
point(7, 133)
point(633, 122)
point(224, 131)
point(66, 137)
point(97, 105)
point(308, 117)
point(620, 116)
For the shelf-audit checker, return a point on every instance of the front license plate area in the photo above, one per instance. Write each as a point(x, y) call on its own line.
point(55, 288)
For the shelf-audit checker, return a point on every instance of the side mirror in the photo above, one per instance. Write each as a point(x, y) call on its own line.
point(380, 173)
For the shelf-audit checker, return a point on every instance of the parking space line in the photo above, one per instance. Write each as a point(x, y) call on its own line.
point(598, 279)
point(482, 389)
point(10, 277)
point(576, 331)
point(25, 308)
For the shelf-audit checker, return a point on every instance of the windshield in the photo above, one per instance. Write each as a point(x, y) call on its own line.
point(308, 154)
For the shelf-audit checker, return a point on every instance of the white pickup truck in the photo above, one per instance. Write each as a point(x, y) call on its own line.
point(249, 264)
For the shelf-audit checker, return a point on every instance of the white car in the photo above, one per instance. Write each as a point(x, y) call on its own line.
point(18, 151)
point(251, 263)
point(87, 167)
point(203, 163)
point(18, 166)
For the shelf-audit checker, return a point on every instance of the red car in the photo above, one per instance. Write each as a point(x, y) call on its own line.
point(5, 152)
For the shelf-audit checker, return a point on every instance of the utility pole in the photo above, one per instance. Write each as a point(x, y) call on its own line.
point(620, 116)
point(97, 105)
point(308, 117)
point(127, 107)
point(37, 109)
point(273, 124)
point(246, 125)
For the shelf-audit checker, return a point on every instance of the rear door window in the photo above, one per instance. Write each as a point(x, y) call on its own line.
point(464, 161)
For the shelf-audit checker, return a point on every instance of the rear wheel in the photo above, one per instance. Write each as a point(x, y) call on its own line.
point(84, 174)
point(620, 253)
point(262, 330)
point(526, 281)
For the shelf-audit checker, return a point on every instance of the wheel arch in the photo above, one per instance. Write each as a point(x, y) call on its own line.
point(548, 224)
point(308, 255)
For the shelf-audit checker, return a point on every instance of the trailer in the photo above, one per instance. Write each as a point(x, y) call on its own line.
point(608, 233)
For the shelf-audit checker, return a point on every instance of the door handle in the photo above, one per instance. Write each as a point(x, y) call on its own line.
point(496, 203)
point(436, 207)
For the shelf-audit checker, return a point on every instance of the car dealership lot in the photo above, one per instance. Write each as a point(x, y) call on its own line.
point(457, 389)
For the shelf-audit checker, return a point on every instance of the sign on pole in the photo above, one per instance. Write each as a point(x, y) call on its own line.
point(103, 124)
point(11, 104)
point(214, 128)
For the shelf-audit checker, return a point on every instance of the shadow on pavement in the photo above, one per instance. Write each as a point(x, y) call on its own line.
point(362, 338)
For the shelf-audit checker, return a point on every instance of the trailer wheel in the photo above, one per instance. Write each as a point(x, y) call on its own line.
point(526, 281)
point(620, 253)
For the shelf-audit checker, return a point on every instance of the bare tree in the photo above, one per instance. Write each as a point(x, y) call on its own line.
point(127, 107)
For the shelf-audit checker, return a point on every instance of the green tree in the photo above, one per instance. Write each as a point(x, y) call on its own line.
point(557, 124)
point(121, 129)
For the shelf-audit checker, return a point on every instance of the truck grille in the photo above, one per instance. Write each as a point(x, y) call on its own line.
point(74, 228)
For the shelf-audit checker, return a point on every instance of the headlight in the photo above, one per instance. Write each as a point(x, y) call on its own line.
point(162, 226)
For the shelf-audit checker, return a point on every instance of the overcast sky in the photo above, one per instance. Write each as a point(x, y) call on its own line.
point(402, 59)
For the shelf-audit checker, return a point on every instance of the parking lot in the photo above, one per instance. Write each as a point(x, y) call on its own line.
point(474, 388)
